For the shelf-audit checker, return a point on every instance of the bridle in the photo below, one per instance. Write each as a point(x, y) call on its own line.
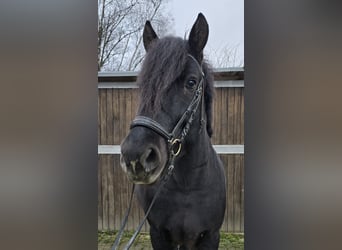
point(175, 139)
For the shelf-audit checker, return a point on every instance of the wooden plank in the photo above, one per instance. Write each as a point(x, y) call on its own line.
point(103, 116)
point(229, 196)
point(230, 193)
point(123, 121)
point(233, 221)
point(220, 74)
point(104, 193)
point(242, 192)
point(99, 191)
point(217, 114)
point(117, 195)
point(231, 116)
point(242, 117)
point(237, 115)
point(98, 118)
point(109, 161)
point(128, 105)
point(135, 102)
point(116, 117)
point(224, 118)
point(133, 85)
point(235, 130)
point(225, 220)
point(237, 195)
point(123, 181)
point(123, 117)
point(111, 209)
point(109, 117)
point(111, 139)
point(220, 149)
point(222, 114)
point(117, 85)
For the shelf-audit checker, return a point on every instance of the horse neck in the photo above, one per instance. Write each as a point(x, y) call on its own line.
point(197, 149)
point(192, 165)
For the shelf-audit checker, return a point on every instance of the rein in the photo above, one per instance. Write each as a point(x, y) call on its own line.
point(175, 140)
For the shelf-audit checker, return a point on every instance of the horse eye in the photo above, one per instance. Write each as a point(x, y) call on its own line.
point(191, 83)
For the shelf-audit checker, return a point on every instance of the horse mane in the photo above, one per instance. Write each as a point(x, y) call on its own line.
point(163, 64)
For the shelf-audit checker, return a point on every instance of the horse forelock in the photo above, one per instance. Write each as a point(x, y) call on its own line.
point(163, 64)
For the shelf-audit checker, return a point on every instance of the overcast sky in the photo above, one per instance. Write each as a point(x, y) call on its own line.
point(225, 18)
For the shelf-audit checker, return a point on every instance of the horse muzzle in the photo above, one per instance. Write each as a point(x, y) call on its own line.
point(141, 166)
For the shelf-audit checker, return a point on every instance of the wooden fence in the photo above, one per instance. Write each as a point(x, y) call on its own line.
point(117, 105)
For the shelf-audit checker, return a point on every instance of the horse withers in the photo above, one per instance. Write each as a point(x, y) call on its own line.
point(173, 128)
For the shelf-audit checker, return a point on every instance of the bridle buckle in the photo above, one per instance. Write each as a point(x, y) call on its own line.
point(175, 146)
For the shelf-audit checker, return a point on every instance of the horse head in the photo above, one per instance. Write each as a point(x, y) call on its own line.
point(172, 76)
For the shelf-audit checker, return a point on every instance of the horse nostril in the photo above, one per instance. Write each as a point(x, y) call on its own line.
point(152, 156)
point(150, 159)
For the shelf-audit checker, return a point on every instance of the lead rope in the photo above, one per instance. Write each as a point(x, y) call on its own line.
point(137, 231)
point(124, 222)
point(165, 179)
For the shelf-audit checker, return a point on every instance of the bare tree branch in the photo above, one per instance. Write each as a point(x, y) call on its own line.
point(120, 24)
point(225, 57)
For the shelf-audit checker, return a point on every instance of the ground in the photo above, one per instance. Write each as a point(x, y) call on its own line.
point(106, 239)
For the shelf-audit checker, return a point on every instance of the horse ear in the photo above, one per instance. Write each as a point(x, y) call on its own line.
point(149, 35)
point(198, 36)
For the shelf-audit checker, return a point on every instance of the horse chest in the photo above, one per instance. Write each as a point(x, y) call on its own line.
point(183, 209)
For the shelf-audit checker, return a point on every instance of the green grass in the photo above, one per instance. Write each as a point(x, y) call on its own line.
point(232, 241)
point(106, 239)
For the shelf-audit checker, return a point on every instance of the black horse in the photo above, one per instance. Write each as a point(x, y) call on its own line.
point(173, 128)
